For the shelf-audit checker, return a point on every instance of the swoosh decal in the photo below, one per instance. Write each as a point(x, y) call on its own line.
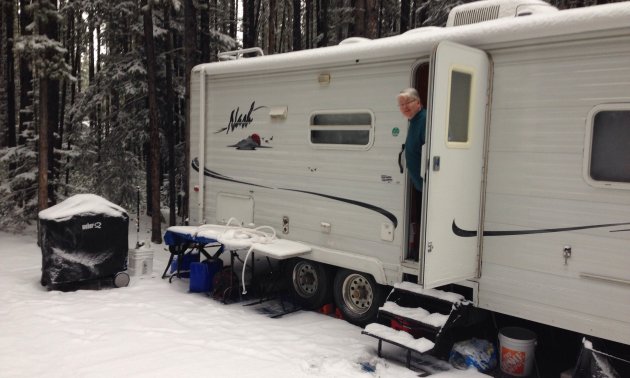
point(209, 173)
point(467, 233)
point(218, 176)
point(384, 212)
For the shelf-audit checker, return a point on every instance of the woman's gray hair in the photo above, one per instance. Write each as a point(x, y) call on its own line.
point(410, 93)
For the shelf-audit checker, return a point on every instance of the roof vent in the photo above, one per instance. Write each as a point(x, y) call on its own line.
point(350, 40)
point(485, 10)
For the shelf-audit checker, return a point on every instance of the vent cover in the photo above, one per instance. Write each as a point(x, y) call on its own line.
point(473, 16)
point(487, 10)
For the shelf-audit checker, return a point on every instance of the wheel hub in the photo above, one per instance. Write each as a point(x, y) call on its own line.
point(305, 279)
point(357, 293)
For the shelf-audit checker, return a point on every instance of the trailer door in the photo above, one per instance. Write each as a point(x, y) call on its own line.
point(454, 170)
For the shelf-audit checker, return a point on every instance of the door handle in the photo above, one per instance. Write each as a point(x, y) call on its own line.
point(402, 149)
point(436, 163)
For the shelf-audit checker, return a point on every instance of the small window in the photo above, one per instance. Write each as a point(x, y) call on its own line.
point(342, 130)
point(608, 144)
point(459, 107)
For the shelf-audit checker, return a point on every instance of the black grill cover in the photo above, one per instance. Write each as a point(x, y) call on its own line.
point(83, 238)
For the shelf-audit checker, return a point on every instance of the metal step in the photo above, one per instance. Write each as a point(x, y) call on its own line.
point(413, 316)
point(401, 339)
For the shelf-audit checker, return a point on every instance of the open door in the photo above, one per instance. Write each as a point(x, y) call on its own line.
point(454, 174)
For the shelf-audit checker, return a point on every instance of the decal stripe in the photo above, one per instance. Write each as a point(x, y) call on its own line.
point(384, 212)
point(209, 173)
point(387, 214)
point(466, 233)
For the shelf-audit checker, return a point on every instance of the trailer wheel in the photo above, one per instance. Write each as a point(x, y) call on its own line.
point(309, 283)
point(357, 296)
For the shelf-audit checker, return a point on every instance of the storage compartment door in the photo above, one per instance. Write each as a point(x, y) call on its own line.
point(455, 164)
point(235, 206)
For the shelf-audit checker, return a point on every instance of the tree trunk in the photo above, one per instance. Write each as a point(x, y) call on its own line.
point(283, 29)
point(48, 114)
point(53, 128)
point(232, 13)
point(414, 6)
point(214, 50)
point(9, 74)
point(343, 27)
point(309, 23)
point(297, 31)
point(322, 22)
point(146, 155)
point(52, 32)
point(26, 75)
point(156, 231)
point(170, 118)
point(204, 25)
point(247, 20)
point(272, 27)
point(190, 48)
point(404, 16)
point(75, 86)
point(371, 18)
point(360, 18)
point(42, 197)
point(254, 31)
point(249, 23)
point(91, 74)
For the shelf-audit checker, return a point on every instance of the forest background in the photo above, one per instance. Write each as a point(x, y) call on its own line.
point(94, 93)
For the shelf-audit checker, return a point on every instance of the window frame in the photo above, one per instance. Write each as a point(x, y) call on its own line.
point(471, 101)
point(588, 146)
point(351, 147)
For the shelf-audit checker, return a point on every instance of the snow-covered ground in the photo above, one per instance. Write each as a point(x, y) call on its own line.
point(156, 329)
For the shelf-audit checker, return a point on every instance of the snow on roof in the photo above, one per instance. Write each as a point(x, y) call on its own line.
point(420, 42)
point(82, 204)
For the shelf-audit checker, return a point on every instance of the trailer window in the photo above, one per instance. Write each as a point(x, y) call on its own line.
point(341, 130)
point(459, 107)
point(609, 138)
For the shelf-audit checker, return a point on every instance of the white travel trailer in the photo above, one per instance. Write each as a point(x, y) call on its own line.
point(526, 167)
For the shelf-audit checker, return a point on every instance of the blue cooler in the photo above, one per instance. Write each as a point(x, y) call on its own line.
point(201, 274)
point(187, 260)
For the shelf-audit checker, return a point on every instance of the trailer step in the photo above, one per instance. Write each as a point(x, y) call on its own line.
point(399, 338)
point(420, 320)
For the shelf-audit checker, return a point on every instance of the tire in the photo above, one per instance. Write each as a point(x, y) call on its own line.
point(357, 296)
point(309, 283)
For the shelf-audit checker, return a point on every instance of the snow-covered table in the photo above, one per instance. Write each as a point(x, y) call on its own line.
point(261, 240)
point(235, 238)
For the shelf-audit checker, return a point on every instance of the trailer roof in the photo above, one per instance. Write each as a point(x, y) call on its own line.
point(419, 42)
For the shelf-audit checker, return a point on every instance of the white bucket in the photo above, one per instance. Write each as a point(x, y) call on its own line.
point(140, 262)
point(516, 351)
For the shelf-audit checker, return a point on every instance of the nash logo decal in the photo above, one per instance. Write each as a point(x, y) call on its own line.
point(239, 120)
